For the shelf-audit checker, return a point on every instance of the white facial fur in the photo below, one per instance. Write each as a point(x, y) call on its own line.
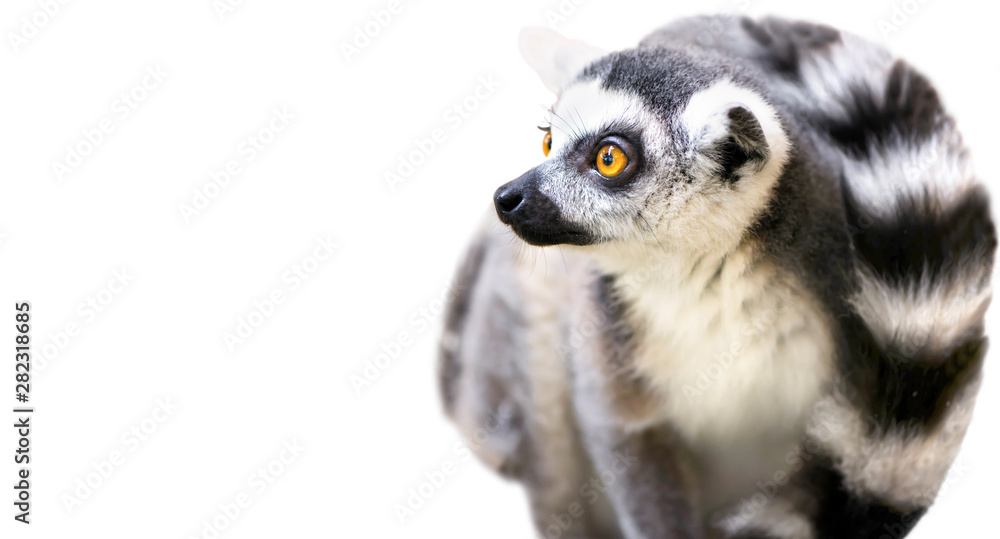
point(587, 109)
point(667, 206)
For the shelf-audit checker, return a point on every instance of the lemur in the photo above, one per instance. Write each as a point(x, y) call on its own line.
point(765, 315)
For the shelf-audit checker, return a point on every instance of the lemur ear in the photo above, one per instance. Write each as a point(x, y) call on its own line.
point(735, 142)
point(556, 58)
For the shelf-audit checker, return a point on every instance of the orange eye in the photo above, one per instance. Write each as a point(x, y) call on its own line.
point(547, 143)
point(611, 161)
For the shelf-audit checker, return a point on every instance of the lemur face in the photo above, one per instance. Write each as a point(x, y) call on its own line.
point(640, 151)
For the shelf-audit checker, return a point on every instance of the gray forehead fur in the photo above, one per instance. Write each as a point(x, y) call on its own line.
point(665, 78)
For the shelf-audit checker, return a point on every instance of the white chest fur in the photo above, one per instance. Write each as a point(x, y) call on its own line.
point(738, 352)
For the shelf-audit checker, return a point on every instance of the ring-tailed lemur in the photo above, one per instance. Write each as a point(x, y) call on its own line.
point(766, 319)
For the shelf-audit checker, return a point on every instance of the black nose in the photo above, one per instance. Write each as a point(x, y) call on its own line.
point(507, 199)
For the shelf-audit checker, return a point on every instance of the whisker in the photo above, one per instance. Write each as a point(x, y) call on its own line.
point(576, 135)
point(553, 126)
point(580, 116)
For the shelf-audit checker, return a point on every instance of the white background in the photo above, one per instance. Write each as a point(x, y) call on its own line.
point(161, 337)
